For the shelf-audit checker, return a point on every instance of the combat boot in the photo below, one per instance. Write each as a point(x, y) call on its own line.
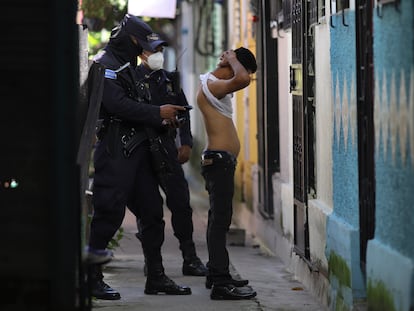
point(99, 289)
point(192, 265)
point(158, 282)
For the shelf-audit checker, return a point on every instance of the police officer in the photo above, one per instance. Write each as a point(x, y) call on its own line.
point(124, 171)
point(164, 88)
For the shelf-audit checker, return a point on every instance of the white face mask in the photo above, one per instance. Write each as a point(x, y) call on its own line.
point(155, 61)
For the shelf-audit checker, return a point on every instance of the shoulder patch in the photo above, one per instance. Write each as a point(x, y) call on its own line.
point(123, 67)
point(110, 74)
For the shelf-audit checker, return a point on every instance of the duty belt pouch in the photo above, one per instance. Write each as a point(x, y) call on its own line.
point(132, 143)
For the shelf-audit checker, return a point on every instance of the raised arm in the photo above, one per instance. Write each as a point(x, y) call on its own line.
point(232, 76)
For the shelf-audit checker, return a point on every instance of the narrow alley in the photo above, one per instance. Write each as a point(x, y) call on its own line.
point(323, 186)
point(275, 286)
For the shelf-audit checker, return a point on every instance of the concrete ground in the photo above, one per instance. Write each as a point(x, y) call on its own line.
point(276, 288)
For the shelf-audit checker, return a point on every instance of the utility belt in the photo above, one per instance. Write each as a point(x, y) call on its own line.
point(120, 134)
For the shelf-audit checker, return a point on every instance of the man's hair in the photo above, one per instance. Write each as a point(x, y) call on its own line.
point(246, 58)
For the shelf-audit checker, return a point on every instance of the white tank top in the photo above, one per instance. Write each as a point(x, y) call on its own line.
point(223, 105)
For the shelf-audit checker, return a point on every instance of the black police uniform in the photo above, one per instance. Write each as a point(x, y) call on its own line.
point(162, 87)
point(127, 178)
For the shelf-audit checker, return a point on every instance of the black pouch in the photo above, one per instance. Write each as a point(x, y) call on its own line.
point(132, 142)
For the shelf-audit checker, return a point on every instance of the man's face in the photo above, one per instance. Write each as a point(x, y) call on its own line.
point(222, 61)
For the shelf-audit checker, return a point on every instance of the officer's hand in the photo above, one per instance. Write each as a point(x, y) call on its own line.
point(184, 153)
point(173, 123)
point(169, 112)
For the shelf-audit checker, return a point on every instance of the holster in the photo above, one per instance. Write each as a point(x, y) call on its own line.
point(132, 141)
point(121, 136)
point(159, 158)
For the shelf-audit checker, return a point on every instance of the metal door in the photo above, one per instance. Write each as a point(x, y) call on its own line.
point(365, 109)
point(304, 17)
point(268, 116)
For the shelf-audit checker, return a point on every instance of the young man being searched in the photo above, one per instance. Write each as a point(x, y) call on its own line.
point(218, 165)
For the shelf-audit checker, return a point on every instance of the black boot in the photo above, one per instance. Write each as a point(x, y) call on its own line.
point(192, 265)
point(99, 289)
point(231, 292)
point(158, 282)
point(229, 280)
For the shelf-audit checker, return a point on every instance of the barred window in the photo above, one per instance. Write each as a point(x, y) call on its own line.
point(287, 13)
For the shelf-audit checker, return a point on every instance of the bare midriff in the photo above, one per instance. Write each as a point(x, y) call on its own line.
point(221, 132)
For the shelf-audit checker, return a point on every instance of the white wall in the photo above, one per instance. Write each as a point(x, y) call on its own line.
point(285, 134)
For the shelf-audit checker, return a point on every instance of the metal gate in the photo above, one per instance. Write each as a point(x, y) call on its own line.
point(268, 108)
point(366, 135)
point(304, 17)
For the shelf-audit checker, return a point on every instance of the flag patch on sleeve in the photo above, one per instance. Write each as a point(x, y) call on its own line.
point(110, 74)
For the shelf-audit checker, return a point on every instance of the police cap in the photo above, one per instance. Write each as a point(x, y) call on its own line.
point(148, 40)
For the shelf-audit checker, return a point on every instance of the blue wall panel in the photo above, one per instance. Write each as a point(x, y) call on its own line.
point(390, 256)
point(343, 224)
